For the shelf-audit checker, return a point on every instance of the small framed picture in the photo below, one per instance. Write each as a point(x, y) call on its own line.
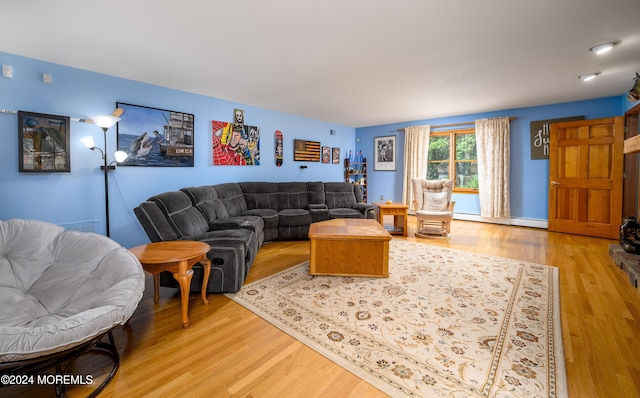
point(326, 154)
point(385, 153)
point(43, 143)
point(335, 155)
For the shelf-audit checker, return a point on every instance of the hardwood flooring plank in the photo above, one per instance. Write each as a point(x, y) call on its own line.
point(230, 352)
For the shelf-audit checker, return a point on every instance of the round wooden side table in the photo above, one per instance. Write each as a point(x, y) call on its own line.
point(178, 257)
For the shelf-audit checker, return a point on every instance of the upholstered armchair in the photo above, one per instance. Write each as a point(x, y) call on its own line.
point(433, 206)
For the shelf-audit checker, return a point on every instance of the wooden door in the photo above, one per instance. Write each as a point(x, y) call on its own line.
point(585, 176)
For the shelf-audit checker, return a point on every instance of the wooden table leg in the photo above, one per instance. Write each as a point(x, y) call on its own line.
point(156, 287)
point(206, 265)
point(183, 276)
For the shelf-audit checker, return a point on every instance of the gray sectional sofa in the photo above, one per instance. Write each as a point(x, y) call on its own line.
point(235, 219)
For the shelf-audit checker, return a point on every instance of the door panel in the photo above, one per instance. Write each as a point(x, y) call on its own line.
point(585, 176)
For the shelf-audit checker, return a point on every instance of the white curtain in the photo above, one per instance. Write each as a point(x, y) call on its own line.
point(416, 149)
point(492, 142)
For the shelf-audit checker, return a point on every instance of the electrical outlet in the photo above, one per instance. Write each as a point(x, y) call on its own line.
point(381, 197)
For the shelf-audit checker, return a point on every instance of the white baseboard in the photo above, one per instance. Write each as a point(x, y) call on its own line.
point(522, 222)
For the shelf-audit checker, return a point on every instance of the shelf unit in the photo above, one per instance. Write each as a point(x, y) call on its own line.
point(630, 197)
point(356, 173)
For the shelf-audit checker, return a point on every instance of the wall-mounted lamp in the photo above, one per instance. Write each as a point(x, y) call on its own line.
point(105, 122)
point(588, 76)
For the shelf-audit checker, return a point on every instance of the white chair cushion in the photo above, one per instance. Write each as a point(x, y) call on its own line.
point(61, 288)
point(434, 215)
point(435, 201)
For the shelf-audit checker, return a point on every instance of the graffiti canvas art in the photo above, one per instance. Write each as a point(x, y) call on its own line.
point(235, 144)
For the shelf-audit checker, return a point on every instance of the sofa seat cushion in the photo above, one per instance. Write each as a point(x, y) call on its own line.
point(294, 217)
point(269, 216)
point(345, 213)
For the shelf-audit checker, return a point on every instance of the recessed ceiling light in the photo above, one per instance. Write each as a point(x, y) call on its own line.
point(603, 48)
point(588, 76)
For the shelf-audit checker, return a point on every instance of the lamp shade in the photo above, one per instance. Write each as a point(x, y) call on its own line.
point(104, 121)
point(88, 142)
point(120, 156)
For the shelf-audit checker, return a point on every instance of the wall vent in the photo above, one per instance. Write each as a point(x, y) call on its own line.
point(82, 226)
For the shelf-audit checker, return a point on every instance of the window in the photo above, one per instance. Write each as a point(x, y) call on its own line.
point(452, 154)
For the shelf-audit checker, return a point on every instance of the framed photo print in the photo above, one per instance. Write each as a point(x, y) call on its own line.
point(335, 158)
point(43, 143)
point(155, 137)
point(385, 153)
point(326, 154)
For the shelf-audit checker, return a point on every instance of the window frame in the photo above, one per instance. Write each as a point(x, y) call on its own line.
point(452, 156)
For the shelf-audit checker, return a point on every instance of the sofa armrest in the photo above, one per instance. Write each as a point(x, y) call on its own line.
point(365, 208)
point(319, 213)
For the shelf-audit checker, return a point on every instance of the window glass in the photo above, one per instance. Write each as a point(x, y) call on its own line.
point(453, 155)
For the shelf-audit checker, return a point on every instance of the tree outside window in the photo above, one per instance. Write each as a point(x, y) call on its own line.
point(453, 153)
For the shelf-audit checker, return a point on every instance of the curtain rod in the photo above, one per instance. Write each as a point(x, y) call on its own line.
point(457, 124)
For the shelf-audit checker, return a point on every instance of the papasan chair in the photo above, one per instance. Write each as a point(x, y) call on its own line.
point(62, 292)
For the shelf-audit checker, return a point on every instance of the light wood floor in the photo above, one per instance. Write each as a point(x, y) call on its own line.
point(228, 351)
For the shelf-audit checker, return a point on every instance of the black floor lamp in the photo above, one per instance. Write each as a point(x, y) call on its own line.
point(105, 122)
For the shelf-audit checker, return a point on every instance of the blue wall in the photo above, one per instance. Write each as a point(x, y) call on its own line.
point(529, 178)
point(78, 196)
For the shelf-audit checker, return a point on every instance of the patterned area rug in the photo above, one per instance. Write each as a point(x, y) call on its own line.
point(446, 323)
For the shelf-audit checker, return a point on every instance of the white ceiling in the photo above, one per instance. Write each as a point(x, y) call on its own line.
point(352, 62)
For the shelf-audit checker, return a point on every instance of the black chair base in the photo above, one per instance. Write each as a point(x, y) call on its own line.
point(61, 362)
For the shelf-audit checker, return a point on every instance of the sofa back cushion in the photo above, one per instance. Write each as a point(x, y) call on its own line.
point(154, 222)
point(339, 194)
point(260, 195)
point(315, 192)
point(231, 196)
point(292, 195)
point(183, 217)
point(205, 199)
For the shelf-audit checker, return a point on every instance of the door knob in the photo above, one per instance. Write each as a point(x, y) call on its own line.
point(555, 183)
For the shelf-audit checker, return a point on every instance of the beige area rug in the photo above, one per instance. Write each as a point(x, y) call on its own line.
point(446, 323)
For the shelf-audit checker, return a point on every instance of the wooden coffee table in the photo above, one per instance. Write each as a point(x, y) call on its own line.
point(179, 257)
point(399, 212)
point(349, 247)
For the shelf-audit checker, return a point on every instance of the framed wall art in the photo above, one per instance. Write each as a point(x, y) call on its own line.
point(385, 153)
point(306, 151)
point(235, 144)
point(335, 159)
point(155, 137)
point(43, 143)
point(326, 154)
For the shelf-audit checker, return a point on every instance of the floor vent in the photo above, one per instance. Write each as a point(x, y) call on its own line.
point(82, 226)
